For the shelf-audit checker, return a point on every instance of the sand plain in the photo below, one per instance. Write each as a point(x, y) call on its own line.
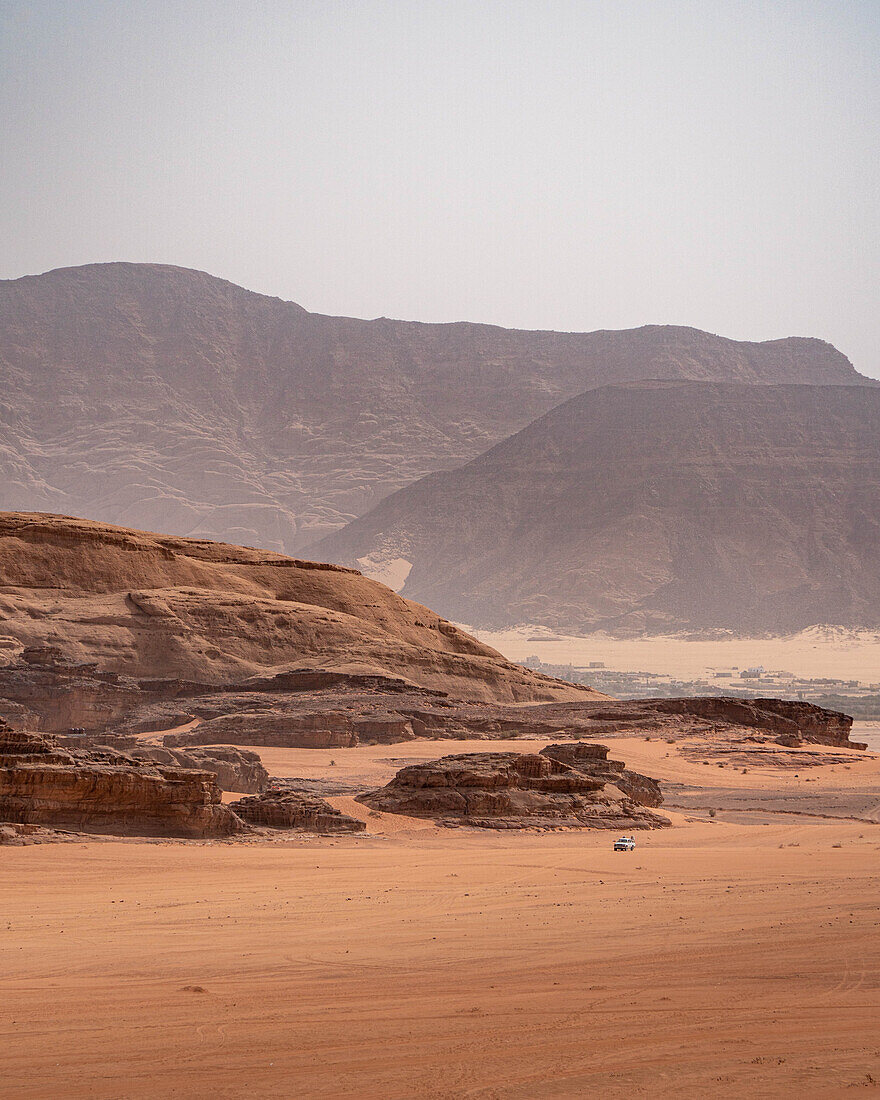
point(718, 959)
point(816, 652)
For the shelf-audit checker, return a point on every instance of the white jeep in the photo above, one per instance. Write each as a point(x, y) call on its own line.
point(624, 844)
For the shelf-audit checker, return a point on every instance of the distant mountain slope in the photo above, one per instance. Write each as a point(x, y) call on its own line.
point(150, 606)
point(164, 398)
point(651, 506)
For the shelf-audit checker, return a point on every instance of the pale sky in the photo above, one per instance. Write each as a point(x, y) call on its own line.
point(566, 165)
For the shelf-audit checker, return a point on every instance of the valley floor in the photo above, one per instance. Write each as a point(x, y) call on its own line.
point(718, 959)
point(815, 652)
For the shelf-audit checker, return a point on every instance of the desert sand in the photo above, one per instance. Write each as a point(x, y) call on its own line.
point(719, 958)
point(816, 652)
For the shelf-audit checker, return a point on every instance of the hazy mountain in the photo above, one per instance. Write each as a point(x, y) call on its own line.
point(653, 505)
point(164, 398)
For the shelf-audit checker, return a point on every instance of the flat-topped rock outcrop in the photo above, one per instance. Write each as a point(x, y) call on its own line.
point(564, 786)
point(104, 791)
point(344, 718)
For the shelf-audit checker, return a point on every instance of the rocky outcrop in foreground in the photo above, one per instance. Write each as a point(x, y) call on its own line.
point(103, 791)
point(573, 786)
point(284, 806)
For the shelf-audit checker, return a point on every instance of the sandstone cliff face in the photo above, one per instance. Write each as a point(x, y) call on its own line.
point(652, 507)
point(171, 400)
point(563, 786)
point(101, 791)
point(105, 609)
point(234, 769)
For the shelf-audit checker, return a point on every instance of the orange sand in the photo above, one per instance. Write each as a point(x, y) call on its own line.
point(422, 962)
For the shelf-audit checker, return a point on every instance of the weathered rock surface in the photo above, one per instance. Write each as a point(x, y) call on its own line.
point(115, 616)
point(434, 717)
point(593, 760)
point(322, 730)
point(235, 769)
point(285, 806)
point(103, 791)
point(573, 786)
point(232, 415)
point(651, 507)
point(786, 721)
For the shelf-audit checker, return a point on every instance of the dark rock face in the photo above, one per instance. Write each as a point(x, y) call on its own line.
point(284, 806)
point(47, 690)
point(103, 791)
point(563, 786)
point(651, 507)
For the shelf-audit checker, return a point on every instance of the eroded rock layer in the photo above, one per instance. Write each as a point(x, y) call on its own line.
point(104, 791)
point(117, 616)
point(334, 718)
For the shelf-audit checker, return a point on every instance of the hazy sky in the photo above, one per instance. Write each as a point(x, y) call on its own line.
point(539, 165)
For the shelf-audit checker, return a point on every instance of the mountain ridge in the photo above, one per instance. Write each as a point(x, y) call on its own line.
point(655, 506)
point(162, 398)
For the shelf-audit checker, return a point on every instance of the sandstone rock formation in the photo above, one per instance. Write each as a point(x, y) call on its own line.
point(167, 399)
point(782, 720)
point(234, 769)
point(572, 786)
point(284, 806)
point(96, 619)
point(651, 507)
point(593, 760)
point(343, 714)
point(103, 791)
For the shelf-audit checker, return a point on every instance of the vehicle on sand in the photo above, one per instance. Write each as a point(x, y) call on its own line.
point(624, 844)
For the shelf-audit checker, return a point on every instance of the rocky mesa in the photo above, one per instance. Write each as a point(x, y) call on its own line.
point(104, 791)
